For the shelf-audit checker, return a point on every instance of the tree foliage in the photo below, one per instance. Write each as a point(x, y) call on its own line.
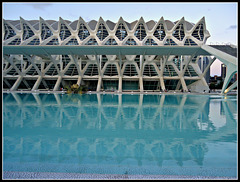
point(75, 88)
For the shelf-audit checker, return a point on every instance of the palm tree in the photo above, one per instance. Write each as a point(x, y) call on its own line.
point(75, 88)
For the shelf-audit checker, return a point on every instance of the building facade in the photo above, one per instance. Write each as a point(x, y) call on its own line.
point(103, 55)
point(223, 71)
point(203, 64)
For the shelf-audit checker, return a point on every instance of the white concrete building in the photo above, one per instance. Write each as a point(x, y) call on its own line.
point(103, 55)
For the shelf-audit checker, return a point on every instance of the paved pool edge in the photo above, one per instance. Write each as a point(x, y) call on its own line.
point(52, 175)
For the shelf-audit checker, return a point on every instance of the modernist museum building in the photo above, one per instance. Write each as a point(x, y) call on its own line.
point(106, 56)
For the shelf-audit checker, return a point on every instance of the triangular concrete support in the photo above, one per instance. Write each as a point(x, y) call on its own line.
point(229, 60)
point(231, 70)
point(234, 85)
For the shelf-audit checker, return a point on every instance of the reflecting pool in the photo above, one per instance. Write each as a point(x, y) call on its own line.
point(190, 135)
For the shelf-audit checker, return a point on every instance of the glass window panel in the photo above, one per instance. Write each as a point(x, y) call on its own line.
point(198, 32)
point(8, 32)
point(130, 41)
point(16, 41)
point(91, 41)
point(169, 42)
point(121, 32)
point(102, 32)
point(46, 32)
point(35, 41)
point(64, 32)
point(140, 32)
point(111, 42)
point(150, 42)
point(160, 32)
point(27, 32)
point(179, 32)
point(54, 41)
point(83, 32)
point(73, 41)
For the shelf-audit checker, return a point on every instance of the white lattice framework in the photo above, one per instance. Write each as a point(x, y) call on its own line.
point(148, 72)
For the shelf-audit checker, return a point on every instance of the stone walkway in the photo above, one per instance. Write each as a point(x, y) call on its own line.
point(52, 175)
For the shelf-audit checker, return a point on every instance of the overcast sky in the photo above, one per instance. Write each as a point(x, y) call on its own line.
point(221, 18)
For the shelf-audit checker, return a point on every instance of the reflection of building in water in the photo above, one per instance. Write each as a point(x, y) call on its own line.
point(122, 127)
point(222, 109)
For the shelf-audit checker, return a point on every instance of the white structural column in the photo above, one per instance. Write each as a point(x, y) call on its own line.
point(163, 63)
point(141, 83)
point(98, 60)
point(162, 83)
point(37, 83)
point(120, 84)
point(99, 84)
point(120, 74)
point(79, 80)
point(181, 77)
point(17, 83)
point(184, 86)
point(56, 87)
point(141, 73)
point(200, 85)
point(178, 84)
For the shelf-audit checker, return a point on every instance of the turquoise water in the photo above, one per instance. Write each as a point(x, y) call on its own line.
point(189, 135)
